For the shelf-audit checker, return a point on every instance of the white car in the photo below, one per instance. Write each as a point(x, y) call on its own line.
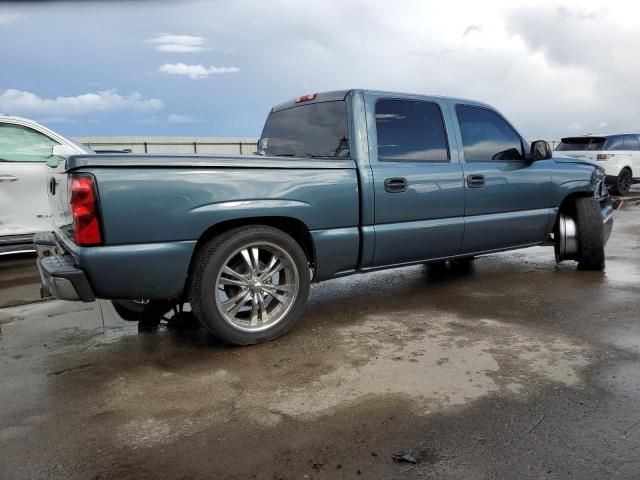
point(619, 155)
point(25, 147)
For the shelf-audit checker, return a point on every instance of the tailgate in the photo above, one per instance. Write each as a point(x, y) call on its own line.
point(58, 193)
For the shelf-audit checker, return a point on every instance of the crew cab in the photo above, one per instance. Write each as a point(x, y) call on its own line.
point(344, 182)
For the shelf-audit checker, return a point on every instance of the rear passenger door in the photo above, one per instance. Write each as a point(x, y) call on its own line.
point(419, 193)
point(507, 198)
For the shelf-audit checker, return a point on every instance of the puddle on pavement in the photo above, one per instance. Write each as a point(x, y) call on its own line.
point(435, 361)
point(161, 389)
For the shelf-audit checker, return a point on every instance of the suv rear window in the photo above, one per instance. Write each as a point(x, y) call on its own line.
point(312, 130)
point(580, 144)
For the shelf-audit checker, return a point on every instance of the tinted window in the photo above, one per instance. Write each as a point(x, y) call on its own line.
point(410, 131)
point(486, 136)
point(581, 144)
point(312, 130)
point(615, 143)
point(22, 144)
point(631, 142)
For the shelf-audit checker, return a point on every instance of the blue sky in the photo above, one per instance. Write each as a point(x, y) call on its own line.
point(216, 67)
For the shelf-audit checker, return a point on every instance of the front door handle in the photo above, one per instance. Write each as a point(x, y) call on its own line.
point(475, 181)
point(8, 178)
point(395, 184)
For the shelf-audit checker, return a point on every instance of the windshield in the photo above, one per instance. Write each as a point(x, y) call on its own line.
point(581, 144)
point(312, 130)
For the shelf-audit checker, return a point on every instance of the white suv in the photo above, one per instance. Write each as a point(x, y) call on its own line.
point(25, 147)
point(619, 155)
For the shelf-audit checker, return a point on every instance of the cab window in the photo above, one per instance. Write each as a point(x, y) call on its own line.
point(486, 136)
point(410, 131)
point(23, 144)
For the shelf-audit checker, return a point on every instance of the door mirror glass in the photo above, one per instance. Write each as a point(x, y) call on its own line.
point(540, 150)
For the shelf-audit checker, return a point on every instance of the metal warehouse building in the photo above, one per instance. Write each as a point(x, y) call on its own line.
point(229, 145)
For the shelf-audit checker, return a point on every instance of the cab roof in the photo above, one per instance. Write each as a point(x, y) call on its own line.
point(336, 95)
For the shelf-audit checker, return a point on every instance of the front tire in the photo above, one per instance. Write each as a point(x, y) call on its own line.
point(249, 285)
point(590, 232)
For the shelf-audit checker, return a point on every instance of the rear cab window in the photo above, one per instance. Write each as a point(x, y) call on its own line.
point(581, 144)
point(307, 130)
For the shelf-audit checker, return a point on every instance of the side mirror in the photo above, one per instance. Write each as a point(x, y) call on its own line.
point(540, 150)
point(63, 151)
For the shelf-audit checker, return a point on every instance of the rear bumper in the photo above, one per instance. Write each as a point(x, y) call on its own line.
point(59, 275)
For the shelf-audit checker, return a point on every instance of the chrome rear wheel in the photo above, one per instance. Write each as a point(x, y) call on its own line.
point(257, 286)
point(250, 284)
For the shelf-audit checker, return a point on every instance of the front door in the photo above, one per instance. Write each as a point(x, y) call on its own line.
point(419, 193)
point(507, 197)
point(24, 208)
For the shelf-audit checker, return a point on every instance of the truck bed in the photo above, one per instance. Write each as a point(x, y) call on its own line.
point(155, 208)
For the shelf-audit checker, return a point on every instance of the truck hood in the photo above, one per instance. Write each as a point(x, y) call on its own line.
point(568, 158)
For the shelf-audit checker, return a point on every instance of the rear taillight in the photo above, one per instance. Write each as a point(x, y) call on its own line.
point(605, 156)
point(84, 209)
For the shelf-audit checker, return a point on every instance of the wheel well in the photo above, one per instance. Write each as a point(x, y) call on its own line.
point(568, 204)
point(297, 229)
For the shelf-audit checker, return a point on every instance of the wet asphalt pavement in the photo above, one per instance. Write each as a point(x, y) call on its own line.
point(515, 368)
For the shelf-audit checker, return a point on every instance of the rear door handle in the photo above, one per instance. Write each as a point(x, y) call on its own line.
point(475, 181)
point(395, 184)
point(8, 178)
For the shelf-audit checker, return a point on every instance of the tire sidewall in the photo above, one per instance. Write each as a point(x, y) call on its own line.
point(207, 310)
point(619, 187)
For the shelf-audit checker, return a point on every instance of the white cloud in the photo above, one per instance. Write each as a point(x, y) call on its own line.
point(471, 29)
point(177, 43)
point(7, 18)
point(183, 119)
point(22, 102)
point(194, 71)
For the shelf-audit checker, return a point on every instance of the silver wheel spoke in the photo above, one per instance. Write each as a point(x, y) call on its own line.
point(255, 255)
point(285, 287)
point(255, 309)
point(264, 316)
point(273, 293)
point(231, 302)
point(272, 262)
point(233, 281)
point(241, 303)
point(232, 273)
point(247, 259)
point(273, 270)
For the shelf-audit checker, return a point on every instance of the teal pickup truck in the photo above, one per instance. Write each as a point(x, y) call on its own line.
point(343, 182)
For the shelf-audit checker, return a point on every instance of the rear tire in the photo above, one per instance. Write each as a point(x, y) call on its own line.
point(590, 232)
point(233, 293)
point(623, 182)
